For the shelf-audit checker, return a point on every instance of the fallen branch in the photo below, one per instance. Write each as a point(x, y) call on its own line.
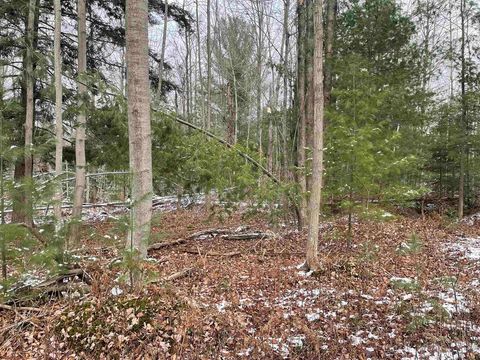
point(210, 232)
point(213, 253)
point(179, 274)
point(174, 276)
point(247, 236)
point(19, 308)
point(158, 246)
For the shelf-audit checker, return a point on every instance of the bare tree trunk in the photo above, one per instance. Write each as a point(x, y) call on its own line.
point(162, 56)
point(309, 86)
point(29, 112)
point(80, 162)
point(209, 67)
point(139, 129)
point(330, 37)
point(200, 74)
point(463, 119)
point(259, 75)
point(231, 115)
point(312, 262)
point(301, 113)
point(285, 149)
point(58, 111)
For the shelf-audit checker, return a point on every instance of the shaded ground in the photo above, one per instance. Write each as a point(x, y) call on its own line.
point(406, 288)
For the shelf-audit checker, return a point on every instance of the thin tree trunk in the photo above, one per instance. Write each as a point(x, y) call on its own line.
point(309, 86)
point(285, 149)
point(259, 75)
point(209, 67)
point(301, 113)
point(3, 246)
point(30, 111)
point(58, 111)
point(200, 74)
point(231, 115)
point(139, 130)
point(80, 162)
point(461, 183)
point(329, 38)
point(162, 56)
point(312, 262)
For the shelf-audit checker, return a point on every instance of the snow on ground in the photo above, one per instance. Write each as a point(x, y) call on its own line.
point(468, 248)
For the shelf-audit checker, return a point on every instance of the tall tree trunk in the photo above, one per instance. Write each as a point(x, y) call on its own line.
point(139, 129)
point(463, 119)
point(80, 162)
point(312, 261)
point(309, 86)
point(199, 64)
point(231, 115)
point(285, 149)
point(29, 112)
point(162, 56)
point(58, 111)
point(329, 39)
point(259, 75)
point(301, 145)
point(209, 66)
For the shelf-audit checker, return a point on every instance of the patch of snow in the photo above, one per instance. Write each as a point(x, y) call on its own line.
point(453, 302)
point(469, 248)
point(356, 340)
point(116, 291)
point(245, 352)
point(297, 340)
point(313, 317)
point(395, 279)
point(221, 306)
point(305, 273)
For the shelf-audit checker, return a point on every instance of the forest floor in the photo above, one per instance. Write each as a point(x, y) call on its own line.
point(408, 288)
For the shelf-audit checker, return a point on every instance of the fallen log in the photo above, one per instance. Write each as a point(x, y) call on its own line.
point(162, 245)
point(209, 233)
point(247, 236)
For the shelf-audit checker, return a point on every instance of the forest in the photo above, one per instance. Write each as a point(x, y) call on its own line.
point(240, 179)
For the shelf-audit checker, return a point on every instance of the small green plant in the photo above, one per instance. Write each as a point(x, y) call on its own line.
point(414, 245)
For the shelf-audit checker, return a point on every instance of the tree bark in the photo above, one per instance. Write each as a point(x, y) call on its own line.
point(463, 118)
point(259, 75)
point(30, 111)
point(139, 129)
point(330, 37)
point(162, 56)
point(309, 87)
point(58, 111)
point(230, 115)
point(80, 161)
point(209, 67)
point(285, 150)
point(312, 261)
point(301, 145)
